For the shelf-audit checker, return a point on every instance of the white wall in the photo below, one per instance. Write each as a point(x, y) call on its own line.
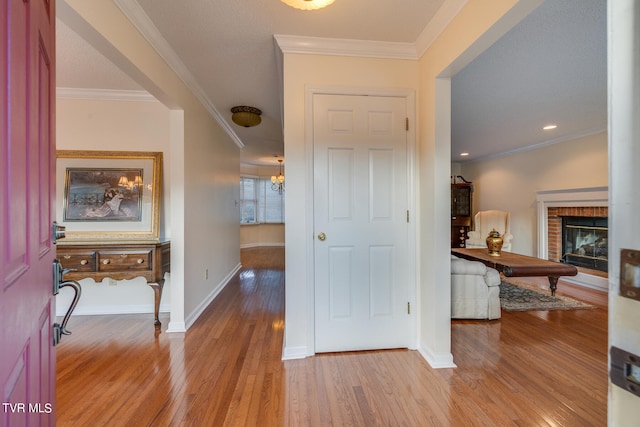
point(510, 182)
point(624, 201)
point(84, 124)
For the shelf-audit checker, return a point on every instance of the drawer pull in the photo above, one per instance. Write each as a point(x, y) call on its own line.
point(140, 260)
point(67, 257)
point(83, 262)
point(124, 255)
point(106, 261)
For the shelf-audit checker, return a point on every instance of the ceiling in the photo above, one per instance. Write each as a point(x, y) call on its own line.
point(549, 68)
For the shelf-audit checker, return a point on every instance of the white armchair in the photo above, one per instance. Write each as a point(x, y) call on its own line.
point(475, 290)
point(484, 222)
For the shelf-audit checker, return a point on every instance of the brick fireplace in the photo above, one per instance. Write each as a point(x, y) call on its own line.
point(552, 206)
point(554, 224)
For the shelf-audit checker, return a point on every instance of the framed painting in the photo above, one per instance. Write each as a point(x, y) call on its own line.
point(109, 195)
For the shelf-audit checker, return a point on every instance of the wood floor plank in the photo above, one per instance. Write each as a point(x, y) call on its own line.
point(543, 368)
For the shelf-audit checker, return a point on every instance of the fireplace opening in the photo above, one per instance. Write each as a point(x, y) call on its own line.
point(585, 242)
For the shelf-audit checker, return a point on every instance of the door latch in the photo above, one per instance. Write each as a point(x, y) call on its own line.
point(58, 232)
point(60, 329)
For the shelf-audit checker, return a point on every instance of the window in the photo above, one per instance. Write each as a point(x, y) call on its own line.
point(248, 200)
point(259, 203)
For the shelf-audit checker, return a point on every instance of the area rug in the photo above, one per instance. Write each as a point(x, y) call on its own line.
point(519, 296)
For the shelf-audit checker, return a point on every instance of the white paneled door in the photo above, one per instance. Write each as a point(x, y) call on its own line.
point(360, 222)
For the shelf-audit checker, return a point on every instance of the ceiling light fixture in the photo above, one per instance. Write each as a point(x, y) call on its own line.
point(308, 4)
point(464, 154)
point(246, 116)
point(549, 127)
point(277, 182)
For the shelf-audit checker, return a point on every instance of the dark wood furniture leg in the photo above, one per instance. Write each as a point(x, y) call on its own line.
point(553, 284)
point(157, 290)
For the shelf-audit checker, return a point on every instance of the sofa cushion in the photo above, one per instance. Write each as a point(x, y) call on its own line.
point(464, 266)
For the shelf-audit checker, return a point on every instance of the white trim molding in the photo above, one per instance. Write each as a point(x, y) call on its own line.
point(134, 12)
point(104, 94)
point(346, 47)
point(371, 48)
point(437, 361)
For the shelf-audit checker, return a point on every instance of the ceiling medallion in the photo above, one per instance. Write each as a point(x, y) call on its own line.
point(246, 116)
point(308, 4)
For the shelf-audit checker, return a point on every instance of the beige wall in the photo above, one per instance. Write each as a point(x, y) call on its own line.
point(254, 235)
point(510, 182)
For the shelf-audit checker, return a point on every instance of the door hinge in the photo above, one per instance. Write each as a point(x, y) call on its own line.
point(407, 215)
point(406, 123)
point(408, 307)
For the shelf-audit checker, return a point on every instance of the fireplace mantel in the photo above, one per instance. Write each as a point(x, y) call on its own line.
point(576, 197)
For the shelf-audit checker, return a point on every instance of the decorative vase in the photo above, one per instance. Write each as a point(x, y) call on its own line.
point(494, 243)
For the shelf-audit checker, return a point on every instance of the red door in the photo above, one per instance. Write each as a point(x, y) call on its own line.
point(27, 192)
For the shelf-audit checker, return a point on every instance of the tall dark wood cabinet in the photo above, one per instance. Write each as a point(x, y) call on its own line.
point(460, 213)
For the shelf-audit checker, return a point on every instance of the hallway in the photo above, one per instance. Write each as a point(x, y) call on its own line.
point(528, 369)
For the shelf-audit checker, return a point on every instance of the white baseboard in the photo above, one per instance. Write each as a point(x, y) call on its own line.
point(176, 327)
point(435, 360)
point(190, 320)
point(588, 281)
point(291, 353)
point(112, 309)
point(259, 245)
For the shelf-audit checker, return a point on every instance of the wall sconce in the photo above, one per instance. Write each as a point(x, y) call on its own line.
point(246, 116)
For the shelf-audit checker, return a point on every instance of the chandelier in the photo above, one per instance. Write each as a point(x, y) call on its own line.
point(277, 182)
point(308, 4)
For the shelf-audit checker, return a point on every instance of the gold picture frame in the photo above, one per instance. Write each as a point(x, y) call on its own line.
point(108, 196)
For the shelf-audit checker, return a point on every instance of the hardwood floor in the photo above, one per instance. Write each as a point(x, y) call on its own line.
point(526, 369)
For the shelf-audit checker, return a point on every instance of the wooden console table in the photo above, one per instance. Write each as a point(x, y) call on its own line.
point(516, 265)
point(118, 261)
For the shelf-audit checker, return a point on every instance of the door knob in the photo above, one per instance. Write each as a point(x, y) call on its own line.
point(322, 237)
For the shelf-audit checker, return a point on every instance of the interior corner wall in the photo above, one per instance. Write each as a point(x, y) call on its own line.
point(207, 220)
point(93, 124)
point(510, 183)
point(476, 27)
point(300, 72)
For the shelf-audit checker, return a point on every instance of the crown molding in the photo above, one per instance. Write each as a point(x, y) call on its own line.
point(439, 22)
point(104, 94)
point(345, 47)
point(565, 138)
point(134, 12)
point(371, 48)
